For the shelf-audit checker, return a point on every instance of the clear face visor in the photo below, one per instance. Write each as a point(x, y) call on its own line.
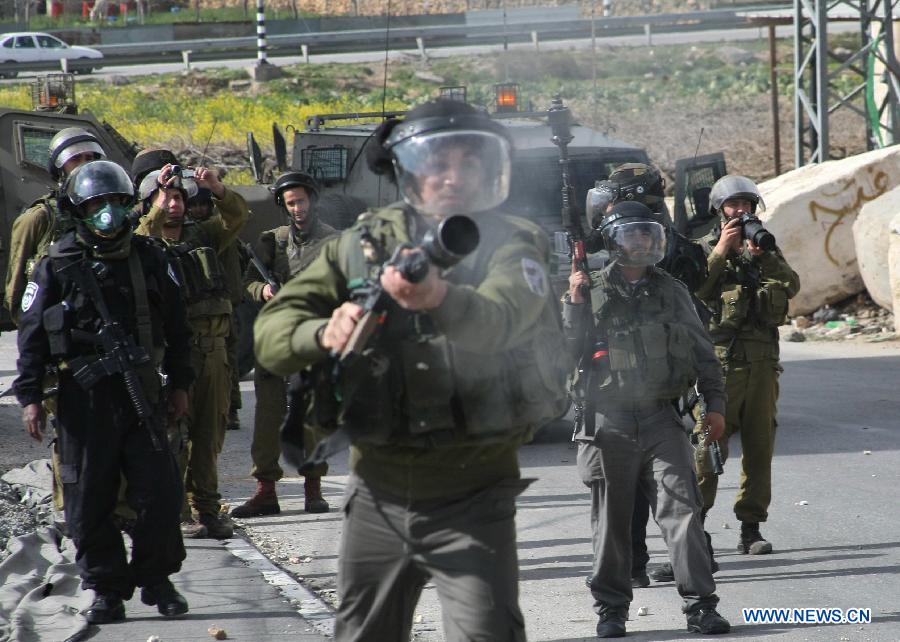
point(636, 243)
point(598, 200)
point(84, 147)
point(453, 172)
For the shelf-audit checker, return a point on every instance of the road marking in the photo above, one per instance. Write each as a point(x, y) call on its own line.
point(310, 607)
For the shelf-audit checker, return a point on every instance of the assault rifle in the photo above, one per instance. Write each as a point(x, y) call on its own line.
point(712, 447)
point(264, 272)
point(454, 238)
point(119, 352)
point(560, 120)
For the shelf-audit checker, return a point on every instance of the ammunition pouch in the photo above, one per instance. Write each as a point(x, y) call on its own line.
point(199, 272)
point(734, 307)
point(771, 305)
point(57, 322)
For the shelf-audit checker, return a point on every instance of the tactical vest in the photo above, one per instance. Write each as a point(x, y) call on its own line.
point(414, 387)
point(70, 323)
point(651, 352)
point(200, 273)
point(58, 223)
point(292, 257)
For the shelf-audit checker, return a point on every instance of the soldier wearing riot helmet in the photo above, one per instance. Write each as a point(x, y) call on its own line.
point(98, 279)
point(284, 251)
point(648, 348)
point(748, 289)
point(435, 435)
point(194, 249)
point(40, 224)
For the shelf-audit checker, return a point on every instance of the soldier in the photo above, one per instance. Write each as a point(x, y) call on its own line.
point(438, 403)
point(200, 208)
point(285, 252)
point(748, 290)
point(100, 265)
point(648, 346)
point(685, 260)
point(194, 249)
point(41, 224)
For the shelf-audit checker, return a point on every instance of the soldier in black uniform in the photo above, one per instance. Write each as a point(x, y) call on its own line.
point(95, 266)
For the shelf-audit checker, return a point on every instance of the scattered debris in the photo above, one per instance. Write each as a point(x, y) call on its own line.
point(867, 452)
point(644, 610)
point(217, 633)
point(857, 316)
point(802, 502)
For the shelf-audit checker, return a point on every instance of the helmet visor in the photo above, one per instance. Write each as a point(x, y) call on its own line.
point(453, 172)
point(84, 147)
point(98, 178)
point(636, 243)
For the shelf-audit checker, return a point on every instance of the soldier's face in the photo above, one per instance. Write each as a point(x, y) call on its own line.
point(200, 211)
point(299, 207)
point(734, 207)
point(77, 161)
point(174, 206)
point(448, 182)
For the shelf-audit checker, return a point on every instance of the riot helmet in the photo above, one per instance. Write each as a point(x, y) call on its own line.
point(733, 186)
point(100, 193)
point(450, 158)
point(634, 235)
point(68, 143)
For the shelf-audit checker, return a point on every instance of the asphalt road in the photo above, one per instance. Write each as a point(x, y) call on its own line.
point(832, 519)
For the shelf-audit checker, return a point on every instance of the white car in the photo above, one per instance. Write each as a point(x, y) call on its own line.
point(33, 46)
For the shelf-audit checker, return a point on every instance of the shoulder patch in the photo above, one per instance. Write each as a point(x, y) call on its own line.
point(535, 276)
point(28, 297)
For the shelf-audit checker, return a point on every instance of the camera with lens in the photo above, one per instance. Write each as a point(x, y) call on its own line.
point(175, 171)
point(752, 229)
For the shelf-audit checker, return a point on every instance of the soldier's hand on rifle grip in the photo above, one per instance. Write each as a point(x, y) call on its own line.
point(178, 404)
point(425, 295)
point(715, 421)
point(579, 283)
point(340, 326)
point(34, 420)
point(267, 292)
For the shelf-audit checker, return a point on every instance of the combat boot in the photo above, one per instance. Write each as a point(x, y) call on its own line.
point(612, 621)
point(168, 601)
point(707, 621)
point(752, 542)
point(217, 526)
point(263, 502)
point(192, 529)
point(234, 422)
point(312, 491)
point(106, 608)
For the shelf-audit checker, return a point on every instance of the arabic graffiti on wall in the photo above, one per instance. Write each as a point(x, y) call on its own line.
point(834, 206)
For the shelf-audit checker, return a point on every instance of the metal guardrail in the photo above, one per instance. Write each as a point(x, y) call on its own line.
point(400, 37)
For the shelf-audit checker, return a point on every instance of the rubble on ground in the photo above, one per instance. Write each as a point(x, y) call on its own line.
point(857, 317)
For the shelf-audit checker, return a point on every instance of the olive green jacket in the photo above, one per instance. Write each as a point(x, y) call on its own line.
point(497, 315)
point(32, 229)
point(284, 260)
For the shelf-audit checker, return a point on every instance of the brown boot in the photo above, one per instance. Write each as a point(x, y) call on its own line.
point(264, 502)
point(312, 490)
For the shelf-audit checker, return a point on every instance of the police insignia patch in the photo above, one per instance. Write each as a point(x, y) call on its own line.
point(535, 276)
point(31, 291)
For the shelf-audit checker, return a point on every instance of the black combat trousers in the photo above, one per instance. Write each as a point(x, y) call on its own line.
point(101, 441)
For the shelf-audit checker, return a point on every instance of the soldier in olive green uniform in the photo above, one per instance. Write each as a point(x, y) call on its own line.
point(31, 235)
point(284, 252)
point(647, 348)
point(201, 208)
point(436, 405)
point(748, 289)
point(194, 250)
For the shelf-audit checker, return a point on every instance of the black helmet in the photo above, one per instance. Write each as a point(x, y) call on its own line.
point(203, 195)
point(70, 142)
point(98, 178)
point(734, 186)
point(290, 180)
point(149, 160)
point(449, 141)
point(639, 182)
point(628, 220)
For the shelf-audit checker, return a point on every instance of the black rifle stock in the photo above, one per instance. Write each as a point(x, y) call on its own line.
point(712, 447)
point(120, 353)
point(264, 272)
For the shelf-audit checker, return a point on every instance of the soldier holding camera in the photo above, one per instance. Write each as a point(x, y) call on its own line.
point(748, 289)
point(452, 381)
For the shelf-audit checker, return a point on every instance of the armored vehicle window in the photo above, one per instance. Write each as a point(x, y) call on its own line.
point(25, 42)
point(33, 144)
